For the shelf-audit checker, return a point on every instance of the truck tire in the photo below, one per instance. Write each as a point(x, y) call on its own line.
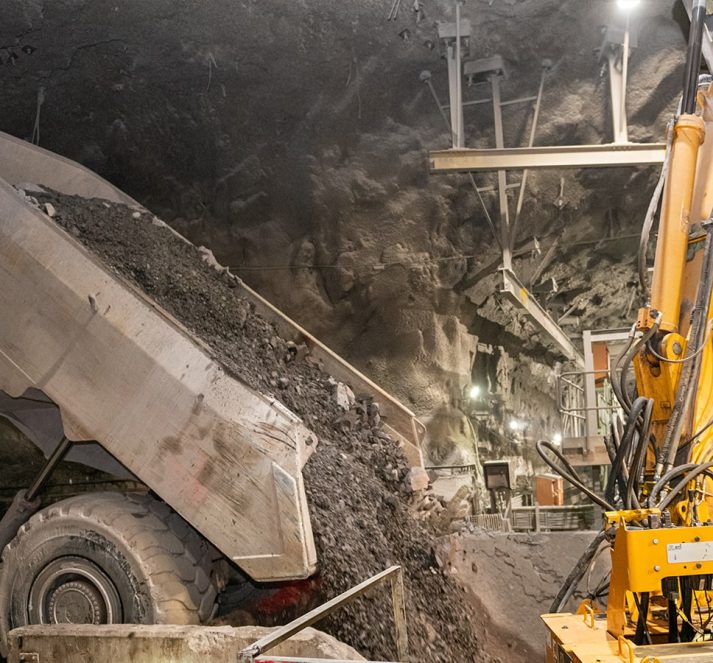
point(106, 558)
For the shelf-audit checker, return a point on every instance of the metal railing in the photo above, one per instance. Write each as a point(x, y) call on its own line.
point(492, 522)
point(574, 408)
point(254, 653)
point(539, 519)
point(554, 518)
point(571, 401)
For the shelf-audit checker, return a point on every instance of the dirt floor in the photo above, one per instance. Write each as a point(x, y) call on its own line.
point(359, 502)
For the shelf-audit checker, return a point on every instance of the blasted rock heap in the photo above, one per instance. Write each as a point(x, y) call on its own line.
point(355, 481)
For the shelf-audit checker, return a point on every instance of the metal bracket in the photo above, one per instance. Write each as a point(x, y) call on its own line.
point(29, 657)
point(394, 575)
point(518, 294)
point(560, 156)
point(492, 70)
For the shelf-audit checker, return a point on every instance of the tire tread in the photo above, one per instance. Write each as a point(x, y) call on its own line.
point(175, 559)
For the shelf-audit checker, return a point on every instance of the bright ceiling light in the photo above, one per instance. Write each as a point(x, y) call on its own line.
point(627, 5)
point(557, 439)
point(515, 424)
point(474, 392)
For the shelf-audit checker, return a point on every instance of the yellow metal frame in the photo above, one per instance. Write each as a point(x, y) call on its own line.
point(640, 561)
point(643, 558)
point(672, 243)
point(578, 639)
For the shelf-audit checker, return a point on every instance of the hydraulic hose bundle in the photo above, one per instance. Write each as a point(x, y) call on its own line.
point(634, 484)
point(627, 446)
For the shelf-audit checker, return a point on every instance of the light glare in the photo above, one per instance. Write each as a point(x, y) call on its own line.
point(474, 392)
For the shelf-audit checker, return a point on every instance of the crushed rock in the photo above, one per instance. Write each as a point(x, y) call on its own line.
point(356, 480)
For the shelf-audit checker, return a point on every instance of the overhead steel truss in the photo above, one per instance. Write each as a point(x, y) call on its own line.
point(621, 153)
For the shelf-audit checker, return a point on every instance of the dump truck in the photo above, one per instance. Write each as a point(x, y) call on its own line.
point(92, 370)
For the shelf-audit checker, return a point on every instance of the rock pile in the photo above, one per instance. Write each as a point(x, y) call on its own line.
point(358, 481)
point(445, 516)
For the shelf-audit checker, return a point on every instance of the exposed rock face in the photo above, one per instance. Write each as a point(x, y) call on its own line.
point(292, 138)
point(531, 567)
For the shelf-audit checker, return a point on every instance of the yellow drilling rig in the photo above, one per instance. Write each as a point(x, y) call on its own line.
point(657, 605)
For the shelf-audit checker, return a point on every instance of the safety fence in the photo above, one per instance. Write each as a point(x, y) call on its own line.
point(539, 519)
point(574, 407)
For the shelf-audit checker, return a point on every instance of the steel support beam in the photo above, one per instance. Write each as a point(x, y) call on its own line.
point(454, 90)
point(620, 335)
point(617, 94)
point(519, 295)
point(565, 156)
point(590, 387)
point(459, 126)
point(506, 239)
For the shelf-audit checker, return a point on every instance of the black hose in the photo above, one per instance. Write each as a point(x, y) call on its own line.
point(694, 437)
point(614, 378)
point(609, 445)
point(628, 358)
point(700, 469)
point(624, 375)
point(687, 630)
point(650, 213)
point(569, 473)
point(642, 629)
point(619, 474)
point(693, 56)
point(688, 357)
point(673, 634)
point(631, 500)
point(663, 481)
point(617, 431)
point(577, 573)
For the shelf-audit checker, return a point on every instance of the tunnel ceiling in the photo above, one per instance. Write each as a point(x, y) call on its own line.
point(292, 137)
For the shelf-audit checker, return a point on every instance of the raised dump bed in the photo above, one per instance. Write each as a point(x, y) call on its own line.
point(87, 356)
point(118, 365)
point(211, 447)
point(124, 373)
point(21, 162)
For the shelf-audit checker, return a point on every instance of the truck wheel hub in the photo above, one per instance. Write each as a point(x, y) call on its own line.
point(73, 590)
point(76, 602)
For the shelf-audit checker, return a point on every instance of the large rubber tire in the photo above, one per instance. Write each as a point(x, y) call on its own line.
point(106, 558)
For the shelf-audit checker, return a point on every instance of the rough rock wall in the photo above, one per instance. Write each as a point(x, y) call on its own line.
point(512, 579)
point(291, 138)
